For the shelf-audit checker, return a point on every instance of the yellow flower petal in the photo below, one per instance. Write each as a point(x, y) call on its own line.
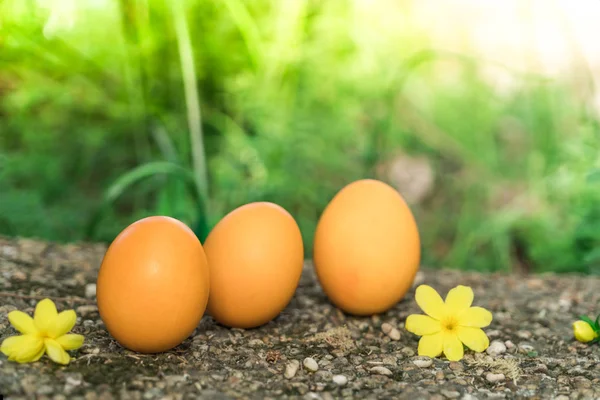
point(459, 298)
point(56, 352)
point(453, 348)
point(422, 325)
point(473, 338)
point(22, 322)
point(65, 321)
point(70, 341)
point(20, 347)
point(430, 301)
point(583, 332)
point(476, 317)
point(431, 345)
point(11, 344)
point(27, 349)
point(45, 316)
point(39, 354)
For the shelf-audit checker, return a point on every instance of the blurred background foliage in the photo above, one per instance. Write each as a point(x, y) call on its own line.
point(112, 110)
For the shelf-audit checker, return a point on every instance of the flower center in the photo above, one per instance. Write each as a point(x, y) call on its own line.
point(449, 323)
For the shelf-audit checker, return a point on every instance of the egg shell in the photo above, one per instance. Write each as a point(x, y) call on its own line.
point(256, 255)
point(153, 285)
point(366, 249)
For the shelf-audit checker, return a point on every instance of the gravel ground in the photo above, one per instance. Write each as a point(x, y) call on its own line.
point(311, 350)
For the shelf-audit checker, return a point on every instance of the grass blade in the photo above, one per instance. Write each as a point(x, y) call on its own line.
point(125, 181)
point(192, 98)
point(164, 143)
point(248, 29)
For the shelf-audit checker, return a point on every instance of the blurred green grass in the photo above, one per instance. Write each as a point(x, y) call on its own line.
point(193, 108)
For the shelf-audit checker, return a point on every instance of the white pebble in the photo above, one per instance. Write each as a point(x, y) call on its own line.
point(312, 396)
point(386, 328)
point(526, 347)
point(419, 278)
point(291, 368)
point(71, 381)
point(394, 334)
point(423, 362)
point(90, 290)
point(340, 380)
point(509, 344)
point(495, 377)
point(381, 371)
point(310, 364)
point(496, 348)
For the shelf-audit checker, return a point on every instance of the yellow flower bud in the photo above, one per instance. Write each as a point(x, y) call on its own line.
point(583, 331)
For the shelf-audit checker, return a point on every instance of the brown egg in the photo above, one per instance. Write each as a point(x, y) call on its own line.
point(366, 248)
point(256, 255)
point(153, 285)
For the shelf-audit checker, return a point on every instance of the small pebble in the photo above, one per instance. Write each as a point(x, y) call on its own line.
point(456, 366)
point(381, 371)
point(390, 360)
point(495, 377)
point(86, 310)
point(19, 276)
point(451, 394)
point(493, 333)
point(407, 351)
point(340, 380)
point(524, 334)
point(386, 328)
point(10, 252)
point(394, 334)
point(509, 344)
point(72, 382)
point(496, 348)
point(255, 343)
point(312, 396)
point(565, 304)
point(90, 290)
point(581, 382)
point(423, 362)
point(526, 347)
point(419, 278)
point(310, 364)
point(291, 368)
point(44, 390)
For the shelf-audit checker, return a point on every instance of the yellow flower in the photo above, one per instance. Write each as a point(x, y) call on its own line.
point(450, 324)
point(46, 332)
point(584, 332)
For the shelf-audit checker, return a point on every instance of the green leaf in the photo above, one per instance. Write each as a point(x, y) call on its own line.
point(125, 181)
point(141, 172)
